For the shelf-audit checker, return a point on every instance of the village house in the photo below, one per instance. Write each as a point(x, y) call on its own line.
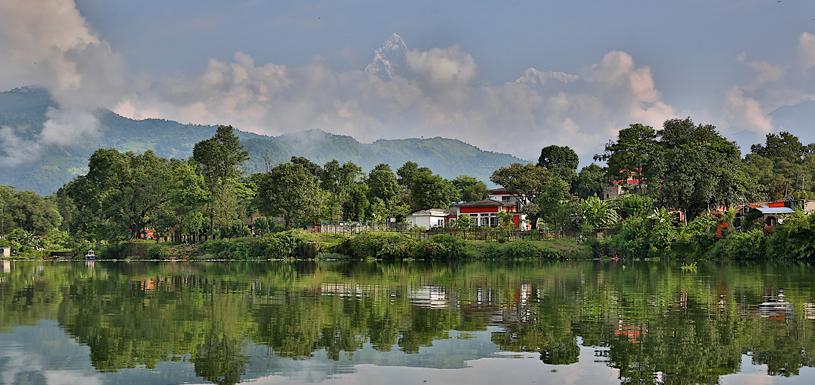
point(620, 187)
point(484, 213)
point(428, 219)
point(505, 196)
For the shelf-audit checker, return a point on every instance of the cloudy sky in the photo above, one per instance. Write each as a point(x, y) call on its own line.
point(510, 76)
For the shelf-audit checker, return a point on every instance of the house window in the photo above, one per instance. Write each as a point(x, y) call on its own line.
point(506, 198)
point(485, 221)
point(493, 220)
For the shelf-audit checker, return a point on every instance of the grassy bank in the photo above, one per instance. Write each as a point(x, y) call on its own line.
point(297, 244)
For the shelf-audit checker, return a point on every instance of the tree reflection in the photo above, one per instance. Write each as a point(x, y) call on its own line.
point(650, 321)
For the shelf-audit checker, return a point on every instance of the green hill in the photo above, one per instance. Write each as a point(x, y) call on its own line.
point(23, 113)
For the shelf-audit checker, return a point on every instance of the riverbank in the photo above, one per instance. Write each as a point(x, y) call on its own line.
point(297, 244)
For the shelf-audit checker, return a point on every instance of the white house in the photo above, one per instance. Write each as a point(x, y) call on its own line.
point(504, 196)
point(428, 219)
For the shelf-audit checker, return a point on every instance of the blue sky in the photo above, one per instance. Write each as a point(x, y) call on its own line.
point(279, 66)
point(691, 45)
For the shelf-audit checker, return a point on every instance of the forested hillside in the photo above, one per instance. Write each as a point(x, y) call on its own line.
point(45, 168)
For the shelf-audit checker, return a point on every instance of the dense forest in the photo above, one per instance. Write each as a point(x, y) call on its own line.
point(677, 184)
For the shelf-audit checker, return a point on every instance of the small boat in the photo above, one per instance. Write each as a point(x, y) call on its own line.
point(90, 255)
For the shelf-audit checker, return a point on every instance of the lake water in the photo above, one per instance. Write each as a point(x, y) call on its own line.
point(375, 323)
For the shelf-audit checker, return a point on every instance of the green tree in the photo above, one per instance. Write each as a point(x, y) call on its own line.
point(431, 191)
point(406, 174)
point(382, 183)
point(635, 154)
point(290, 191)
point(121, 194)
point(356, 204)
point(539, 190)
point(590, 181)
point(219, 159)
point(562, 160)
point(312, 167)
point(702, 168)
point(28, 211)
point(471, 188)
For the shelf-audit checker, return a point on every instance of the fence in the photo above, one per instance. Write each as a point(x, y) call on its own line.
point(492, 234)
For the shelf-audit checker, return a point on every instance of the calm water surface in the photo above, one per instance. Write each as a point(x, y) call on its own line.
point(373, 323)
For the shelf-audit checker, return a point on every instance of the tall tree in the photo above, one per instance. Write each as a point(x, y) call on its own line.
point(783, 145)
point(312, 167)
point(702, 168)
point(28, 211)
point(590, 181)
point(121, 194)
point(781, 167)
point(562, 160)
point(382, 183)
point(538, 189)
point(406, 173)
point(290, 191)
point(219, 159)
point(635, 155)
point(431, 191)
point(471, 188)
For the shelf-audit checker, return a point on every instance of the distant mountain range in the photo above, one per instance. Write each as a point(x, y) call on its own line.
point(44, 168)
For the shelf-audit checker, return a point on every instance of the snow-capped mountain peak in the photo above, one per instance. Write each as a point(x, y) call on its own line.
point(388, 58)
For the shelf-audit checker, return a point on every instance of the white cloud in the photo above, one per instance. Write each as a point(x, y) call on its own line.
point(49, 44)
point(769, 86)
point(405, 93)
point(533, 76)
point(442, 67)
point(806, 49)
point(402, 93)
point(15, 149)
point(745, 112)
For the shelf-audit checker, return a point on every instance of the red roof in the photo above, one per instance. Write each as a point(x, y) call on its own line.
point(625, 181)
point(485, 203)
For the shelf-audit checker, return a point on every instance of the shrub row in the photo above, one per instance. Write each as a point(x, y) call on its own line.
point(441, 247)
point(286, 244)
point(390, 245)
point(521, 250)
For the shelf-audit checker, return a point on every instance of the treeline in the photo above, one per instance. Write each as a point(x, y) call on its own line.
point(124, 195)
point(685, 168)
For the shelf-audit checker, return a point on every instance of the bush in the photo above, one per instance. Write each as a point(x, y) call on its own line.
point(639, 237)
point(520, 249)
point(442, 246)
point(387, 245)
point(697, 237)
point(286, 244)
point(795, 239)
point(746, 245)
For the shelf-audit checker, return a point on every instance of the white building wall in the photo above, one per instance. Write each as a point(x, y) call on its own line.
point(426, 221)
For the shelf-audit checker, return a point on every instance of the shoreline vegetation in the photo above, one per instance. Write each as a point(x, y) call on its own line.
point(684, 192)
point(385, 246)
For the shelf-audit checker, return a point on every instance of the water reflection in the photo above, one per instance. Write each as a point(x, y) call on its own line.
point(305, 323)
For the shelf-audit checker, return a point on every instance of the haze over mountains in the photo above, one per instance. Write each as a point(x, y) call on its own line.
point(31, 164)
